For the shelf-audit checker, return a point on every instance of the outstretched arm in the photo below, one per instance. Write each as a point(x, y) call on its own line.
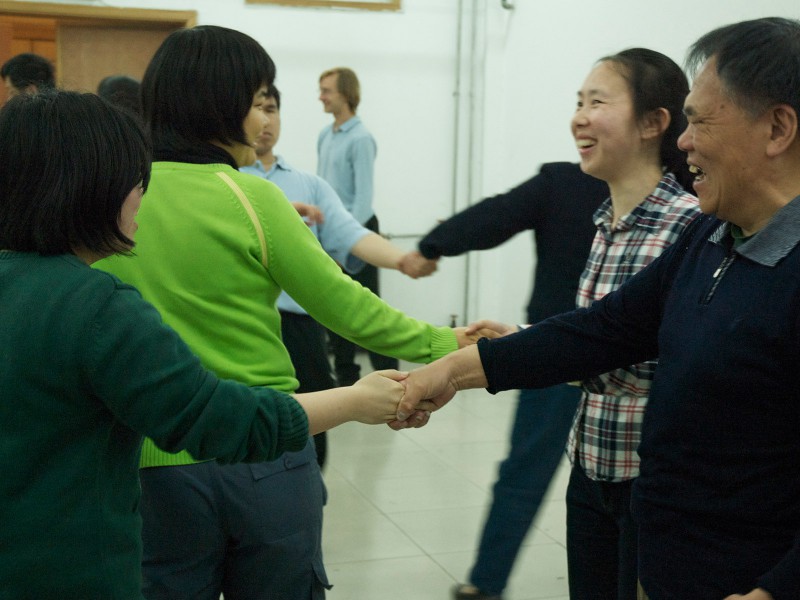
point(372, 400)
point(380, 252)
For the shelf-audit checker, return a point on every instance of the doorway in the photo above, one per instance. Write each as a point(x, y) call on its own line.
point(86, 43)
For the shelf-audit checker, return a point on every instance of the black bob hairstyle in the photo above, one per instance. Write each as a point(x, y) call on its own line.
point(199, 87)
point(67, 163)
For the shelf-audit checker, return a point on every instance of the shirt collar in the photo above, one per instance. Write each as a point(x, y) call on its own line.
point(667, 187)
point(772, 243)
point(349, 124)
point(279, 163)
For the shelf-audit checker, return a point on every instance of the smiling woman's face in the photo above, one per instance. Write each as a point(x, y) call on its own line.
point(604, 125)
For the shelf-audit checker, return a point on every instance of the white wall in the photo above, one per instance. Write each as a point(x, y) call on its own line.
point(529, 63)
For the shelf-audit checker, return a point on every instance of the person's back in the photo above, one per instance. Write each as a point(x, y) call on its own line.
point(91, 368)
point(217, 247)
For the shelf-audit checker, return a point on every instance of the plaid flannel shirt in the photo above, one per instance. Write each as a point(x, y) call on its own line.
point(607, 427)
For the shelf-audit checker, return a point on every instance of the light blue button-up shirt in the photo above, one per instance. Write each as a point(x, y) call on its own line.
point(337, 235)
point(346, 160)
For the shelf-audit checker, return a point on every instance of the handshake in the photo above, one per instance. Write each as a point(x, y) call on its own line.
point(406, 399)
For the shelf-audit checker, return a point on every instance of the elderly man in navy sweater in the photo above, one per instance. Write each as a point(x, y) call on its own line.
point(718, 498)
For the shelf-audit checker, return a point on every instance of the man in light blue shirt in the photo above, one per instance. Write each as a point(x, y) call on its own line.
point(349, 243)
point(345, 159)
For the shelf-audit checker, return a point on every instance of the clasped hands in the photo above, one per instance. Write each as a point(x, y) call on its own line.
point(415, 265)
point(406, 399)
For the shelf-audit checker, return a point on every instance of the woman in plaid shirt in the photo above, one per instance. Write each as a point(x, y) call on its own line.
point(628, 118)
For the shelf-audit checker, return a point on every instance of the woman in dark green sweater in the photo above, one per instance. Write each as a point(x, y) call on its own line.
point(87, 367)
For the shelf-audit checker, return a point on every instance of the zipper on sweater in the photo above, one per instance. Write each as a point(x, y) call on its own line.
point(718, 275)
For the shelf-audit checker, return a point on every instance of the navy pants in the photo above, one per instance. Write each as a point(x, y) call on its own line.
point(250, 532)
point(601, 539)
point(541, 427)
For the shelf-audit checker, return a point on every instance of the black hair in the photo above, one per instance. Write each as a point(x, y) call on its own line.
point(29, 69)
point(199, 87)
point(122, 91)
point(758, 62)
point(67, 163)
point(274, 92)
point(656, 81)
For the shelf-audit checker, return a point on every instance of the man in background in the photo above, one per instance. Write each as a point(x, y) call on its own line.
point(27, 73)
point(345, 159)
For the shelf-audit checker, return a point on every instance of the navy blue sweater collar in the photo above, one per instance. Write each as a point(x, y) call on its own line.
point(768, 246)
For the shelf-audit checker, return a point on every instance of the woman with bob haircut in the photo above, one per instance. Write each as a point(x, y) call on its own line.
point(217, 247)
point(88, 367)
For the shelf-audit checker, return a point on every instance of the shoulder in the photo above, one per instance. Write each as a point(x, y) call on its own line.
point(674, 200)
point(567, 174)
point(257, 187)
point(667, 214)
point(359, 131)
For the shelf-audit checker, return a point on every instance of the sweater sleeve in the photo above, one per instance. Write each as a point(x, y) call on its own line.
point(150, 380)
point(619, 330)
point(490, 222)
point(300, 266)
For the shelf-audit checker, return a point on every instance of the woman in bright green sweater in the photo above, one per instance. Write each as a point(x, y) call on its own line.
point(87, 367)
point(216, 248)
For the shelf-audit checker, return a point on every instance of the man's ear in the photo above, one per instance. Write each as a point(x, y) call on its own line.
point(783, 128)
point(655, 123)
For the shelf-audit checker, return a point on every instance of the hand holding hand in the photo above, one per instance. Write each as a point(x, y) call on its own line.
point(415, 265)
point(376, 397)
point(311, 214)
point(426, 389)
point(468, 336)
point(497, 328)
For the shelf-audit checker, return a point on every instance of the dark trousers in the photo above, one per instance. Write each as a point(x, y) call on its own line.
point(344, 351)
point(304, 338)
point(541, 426)
point(249, 531)
point(601, 539)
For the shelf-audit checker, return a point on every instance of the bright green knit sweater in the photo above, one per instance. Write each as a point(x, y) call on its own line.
point(86, 368)
point(213, 251)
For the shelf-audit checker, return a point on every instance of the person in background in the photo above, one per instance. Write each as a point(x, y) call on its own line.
point(717, 500)
point(346, 160)
point(122, 90)
point(27, 73)
point(216, 248)
point(345, 239)
point(557, 204)
point(89, 367)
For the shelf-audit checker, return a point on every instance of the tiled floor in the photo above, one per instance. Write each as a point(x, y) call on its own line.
point(405, 508)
